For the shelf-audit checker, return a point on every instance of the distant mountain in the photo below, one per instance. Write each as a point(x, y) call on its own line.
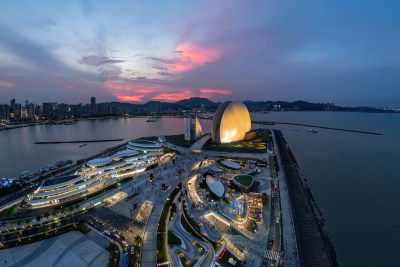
point(196, 102)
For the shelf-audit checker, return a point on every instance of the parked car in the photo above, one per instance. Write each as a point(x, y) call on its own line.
point(117, 236)
point(125, 243)
point(132, 250)
point(106, 232)
point(124, 236)
point(277, 220)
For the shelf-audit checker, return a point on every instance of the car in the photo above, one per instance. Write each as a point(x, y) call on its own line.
point(125, 250)
point(272, 262)
point(271, 242)
point(124, 236)
point(90, 222)
point(118, 231)
point(117, 236)
point(106, 232)
point(125, 243)
point(277, 219)
point(132, 250)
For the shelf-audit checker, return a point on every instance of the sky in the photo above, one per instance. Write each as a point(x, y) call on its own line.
point(345, 52)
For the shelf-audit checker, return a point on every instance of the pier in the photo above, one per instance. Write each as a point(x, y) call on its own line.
point(80, 141)
point(315, 126)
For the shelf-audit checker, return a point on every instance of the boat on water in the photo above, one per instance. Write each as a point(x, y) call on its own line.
point(312, 130)
point(151, 120)
point(83, 145)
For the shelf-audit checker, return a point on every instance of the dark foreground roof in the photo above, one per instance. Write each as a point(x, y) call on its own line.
point(59, 180)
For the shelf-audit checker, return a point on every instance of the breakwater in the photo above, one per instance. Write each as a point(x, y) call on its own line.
point(315, 126)
point(314, 248)
point(79, 141)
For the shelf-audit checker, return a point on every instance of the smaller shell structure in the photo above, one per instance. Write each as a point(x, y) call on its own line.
point(193, 131)
point(231, 122)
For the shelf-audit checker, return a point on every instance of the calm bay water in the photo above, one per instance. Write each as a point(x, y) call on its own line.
point(354, 178)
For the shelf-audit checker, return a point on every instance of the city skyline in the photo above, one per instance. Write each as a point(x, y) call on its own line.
point(135, 52)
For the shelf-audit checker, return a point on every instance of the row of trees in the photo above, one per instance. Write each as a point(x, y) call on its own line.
point(21, 228)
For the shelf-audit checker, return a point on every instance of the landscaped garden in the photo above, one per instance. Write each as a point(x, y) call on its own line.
point(161, 245)
point(245, 180)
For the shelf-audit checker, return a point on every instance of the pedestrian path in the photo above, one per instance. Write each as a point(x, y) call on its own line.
point(271, 255)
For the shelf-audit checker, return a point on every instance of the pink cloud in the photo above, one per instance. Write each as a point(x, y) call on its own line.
point(129, 98)
point(69, 86)
point(190, 56)
point(174, 96)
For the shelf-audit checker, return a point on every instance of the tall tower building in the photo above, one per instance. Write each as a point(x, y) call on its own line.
point(17, 111)
point(48, 110)
point(93, 105)
point(4, 112)
point(12, 105)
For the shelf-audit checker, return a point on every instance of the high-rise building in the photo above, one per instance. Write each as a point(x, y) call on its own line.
point(47, 110)
point(31, 110)
point(93, 105)
point(17, 111)
point(62, 110)
point(76, 110)
point(24, 113)
point(38, 110)
point(12, 104)
point(26, 104)
point(4, 112)
point(155, 107)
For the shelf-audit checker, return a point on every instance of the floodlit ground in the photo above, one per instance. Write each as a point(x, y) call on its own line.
point(70, 249)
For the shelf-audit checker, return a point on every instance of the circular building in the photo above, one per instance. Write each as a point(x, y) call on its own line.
point(231, 122)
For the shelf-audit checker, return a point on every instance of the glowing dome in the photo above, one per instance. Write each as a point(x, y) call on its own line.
point(231, 122)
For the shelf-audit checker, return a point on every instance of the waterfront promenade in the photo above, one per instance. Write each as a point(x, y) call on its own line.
point(310, 243)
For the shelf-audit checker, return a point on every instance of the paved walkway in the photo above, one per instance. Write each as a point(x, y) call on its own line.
point(198, 145)
point(70, 249)
point(290, 256)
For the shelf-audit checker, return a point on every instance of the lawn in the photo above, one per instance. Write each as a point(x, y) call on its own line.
point(161, 243)
point(11, 211)
point(251, 226)
point(245, 180)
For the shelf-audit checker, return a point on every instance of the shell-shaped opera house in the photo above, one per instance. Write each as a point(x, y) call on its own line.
point(231, 122)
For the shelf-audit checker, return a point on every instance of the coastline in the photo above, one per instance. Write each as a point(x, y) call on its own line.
point(313, 243)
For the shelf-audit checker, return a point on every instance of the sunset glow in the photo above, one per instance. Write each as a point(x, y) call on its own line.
point(190, 56)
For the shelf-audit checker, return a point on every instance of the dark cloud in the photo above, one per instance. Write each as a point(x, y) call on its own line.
point(108, 74)
point(162, 60)
point(98, 61)
point(160, 68)
point(163, 73)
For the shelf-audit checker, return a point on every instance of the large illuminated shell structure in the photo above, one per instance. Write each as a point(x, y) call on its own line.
point(231, 122)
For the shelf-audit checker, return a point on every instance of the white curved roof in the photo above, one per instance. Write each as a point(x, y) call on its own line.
point(99, 161)
point(215, 168)
point(231, 164)
point(124, 153)
point(215, 186)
